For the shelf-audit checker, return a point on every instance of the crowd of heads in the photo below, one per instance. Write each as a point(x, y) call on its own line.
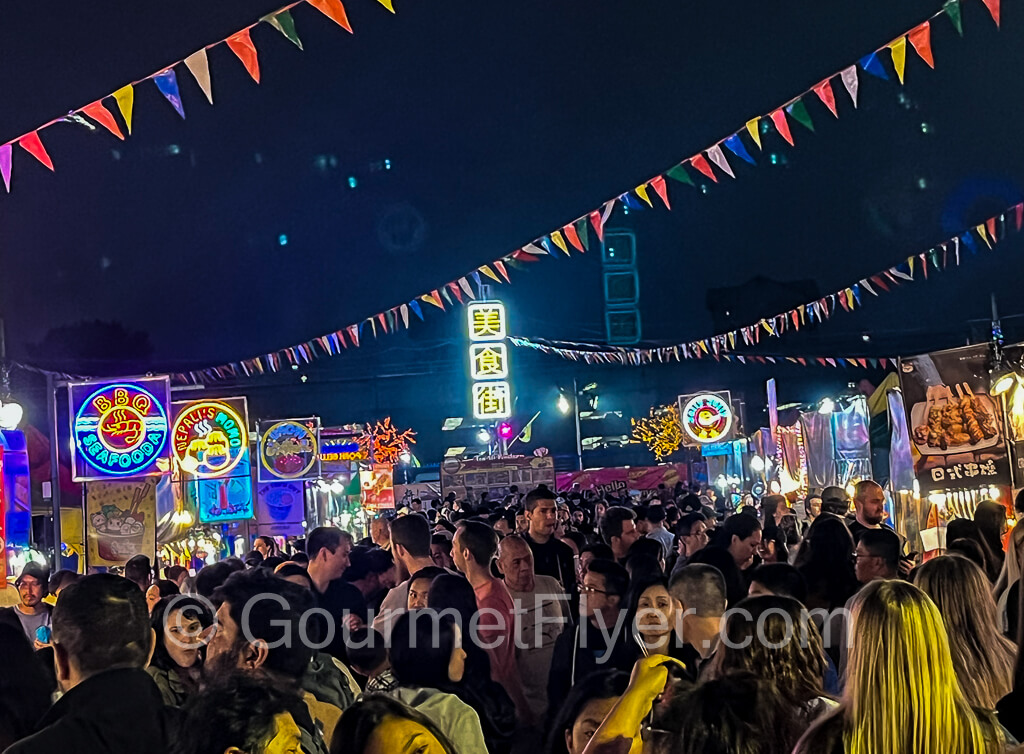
point(542, 621)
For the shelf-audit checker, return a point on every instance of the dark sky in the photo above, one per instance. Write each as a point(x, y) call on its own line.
point(502, 121)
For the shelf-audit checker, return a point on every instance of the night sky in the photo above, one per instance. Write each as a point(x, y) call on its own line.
point(501, 122)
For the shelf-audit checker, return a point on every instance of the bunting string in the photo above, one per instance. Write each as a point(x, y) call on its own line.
point(122, 100)
point(575, 236)
point(949, 253)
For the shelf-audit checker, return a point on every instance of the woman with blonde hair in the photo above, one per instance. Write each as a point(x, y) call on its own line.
point(902, 695)
point(982, 657)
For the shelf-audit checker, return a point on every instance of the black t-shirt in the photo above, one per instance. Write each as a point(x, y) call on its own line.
point(554, 559)
point(340, 599)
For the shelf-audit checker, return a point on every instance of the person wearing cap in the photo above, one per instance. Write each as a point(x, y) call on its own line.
point(834, 500)
point(31, 613)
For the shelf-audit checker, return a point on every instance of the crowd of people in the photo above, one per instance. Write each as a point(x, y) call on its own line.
point(583, 624)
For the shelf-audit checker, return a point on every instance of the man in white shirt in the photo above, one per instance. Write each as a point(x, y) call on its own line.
point(410, 545)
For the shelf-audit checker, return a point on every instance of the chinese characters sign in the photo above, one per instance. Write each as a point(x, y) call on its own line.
point(290, 450)
point(488, 361)
point(210, 438)
point(956, 429)
point(120, 429)
point(706, 417)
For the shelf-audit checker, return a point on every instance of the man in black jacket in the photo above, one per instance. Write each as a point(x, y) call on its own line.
point(102, 640)
point(550, 556)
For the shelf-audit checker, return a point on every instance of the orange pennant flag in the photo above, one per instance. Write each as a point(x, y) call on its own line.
point(34, 146)
point(658, 184)
point(779, 119)
point(921, 39)
point(334, 10)
point(102, 115)
point(827, 96)
point(241, 44)
point(993, 8)
point(573, 236)
point(125, 98)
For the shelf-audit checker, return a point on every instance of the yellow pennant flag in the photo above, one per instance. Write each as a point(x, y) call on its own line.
point(899, 56)
point(752, 129)
point(984, 235)
point(732, 339)
point(486, 269)
point(641, 191)
point(387, 4)
point(125, 97)
point(431, 300)
point(560, 242)
point(849, 298)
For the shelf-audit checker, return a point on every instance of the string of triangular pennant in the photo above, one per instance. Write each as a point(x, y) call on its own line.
point(949, 253)
point(166, 80)
point(576, 235)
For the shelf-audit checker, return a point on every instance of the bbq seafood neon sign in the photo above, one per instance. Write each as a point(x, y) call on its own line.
point(120, 429)
point(210, 438)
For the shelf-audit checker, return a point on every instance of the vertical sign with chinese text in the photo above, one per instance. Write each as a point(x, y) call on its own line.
point(488, 361)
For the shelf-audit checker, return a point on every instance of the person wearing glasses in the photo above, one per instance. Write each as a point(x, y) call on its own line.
point(602, 640)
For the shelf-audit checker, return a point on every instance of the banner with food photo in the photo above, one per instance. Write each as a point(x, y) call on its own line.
point(120, 521)
point(956, 427)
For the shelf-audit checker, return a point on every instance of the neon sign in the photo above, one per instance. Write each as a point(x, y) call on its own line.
point(707, 418)
point(488, 361)
point(120, 429)
point(210, 438)
point(290, 450)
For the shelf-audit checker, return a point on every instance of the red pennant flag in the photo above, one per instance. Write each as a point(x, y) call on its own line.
point(456, 290)
point(827, 96)
point(703, 166)
point(924, 265)
point(863, 362)
point(241, 44)
point(525, 256)
point(574, 239)
point(1020, 214)
point(334, 10)
point(880, 282)
point(102, 115)
point(779, 119)
point(991, 225)
point(802, 360)
point(842, 303)
point(353, 334)
point(500, 267)
point(822, 361)
point(34, 146)
point(595, 220)
point(882, 362)
point(383, 321)
point(658, 184)
point(921, 39)
point(993, 8)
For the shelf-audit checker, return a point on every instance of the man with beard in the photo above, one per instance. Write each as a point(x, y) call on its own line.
point(262, 630)
point(869, 508)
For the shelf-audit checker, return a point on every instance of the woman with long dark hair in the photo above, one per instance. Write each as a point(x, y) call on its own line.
point(991, 520)
point(825, 560)
point(454, 596)
point(428, 662)
point(180, 624)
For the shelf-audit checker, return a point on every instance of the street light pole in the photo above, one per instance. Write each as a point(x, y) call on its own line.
point(579, 431)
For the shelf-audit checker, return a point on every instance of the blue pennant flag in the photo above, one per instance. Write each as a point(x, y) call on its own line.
point(631, 202)
point(545, 242)
point(969, 241)
point(856, 293)
point(873, 65)
point(167, 83)
point(415, 306)
point(735, 145)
